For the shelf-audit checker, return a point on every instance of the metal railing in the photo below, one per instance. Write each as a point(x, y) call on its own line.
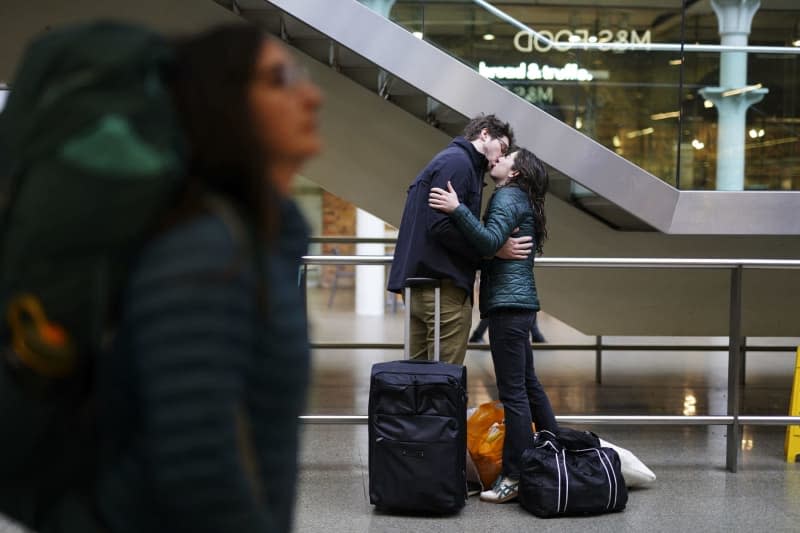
point(736, 343)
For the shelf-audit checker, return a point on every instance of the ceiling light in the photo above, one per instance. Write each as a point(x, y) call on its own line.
point(639, 133)
point(708, 104)
point(675, 62)
point(578, 123)
point(796, 43)
point(742, 90)
point(662, 116)
point(697, 144)
point(417, 34)
point(761, 132)
point(616, 142)
point(488, 37)
point(753, 134)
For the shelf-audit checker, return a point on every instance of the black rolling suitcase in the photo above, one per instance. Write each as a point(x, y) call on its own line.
point(418, 431)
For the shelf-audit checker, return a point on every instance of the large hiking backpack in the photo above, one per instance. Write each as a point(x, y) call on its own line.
point(90, 156)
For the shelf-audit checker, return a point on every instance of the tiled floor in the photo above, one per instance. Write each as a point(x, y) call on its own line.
point(693, 491)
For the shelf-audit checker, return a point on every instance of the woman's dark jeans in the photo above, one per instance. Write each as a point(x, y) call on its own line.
point(483, 325)
point(522, 395)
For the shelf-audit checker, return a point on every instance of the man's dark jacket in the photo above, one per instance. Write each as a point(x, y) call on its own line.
point(429, 245)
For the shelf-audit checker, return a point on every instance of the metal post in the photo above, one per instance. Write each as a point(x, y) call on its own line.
point(437, 322)
point(407, 323)
point(743, 370)
point(734, 368)
point(598, 361)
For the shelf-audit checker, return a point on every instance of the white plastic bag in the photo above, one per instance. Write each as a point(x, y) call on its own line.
point(634, 471)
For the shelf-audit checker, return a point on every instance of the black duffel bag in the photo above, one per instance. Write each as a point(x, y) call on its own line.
point(569, 475)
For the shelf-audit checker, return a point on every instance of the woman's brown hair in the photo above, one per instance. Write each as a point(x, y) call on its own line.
point(210, 84)
point(533, 179)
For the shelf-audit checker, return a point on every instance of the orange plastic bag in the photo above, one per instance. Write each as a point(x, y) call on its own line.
point(489, 460)
point(486, 433)
point(480, 421)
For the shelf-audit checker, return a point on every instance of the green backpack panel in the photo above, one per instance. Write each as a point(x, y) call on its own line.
point(90, 157)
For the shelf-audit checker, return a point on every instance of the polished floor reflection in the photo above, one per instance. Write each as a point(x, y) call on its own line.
point(693, 491)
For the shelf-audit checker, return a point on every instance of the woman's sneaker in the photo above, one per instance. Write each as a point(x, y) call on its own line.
point(504, 490)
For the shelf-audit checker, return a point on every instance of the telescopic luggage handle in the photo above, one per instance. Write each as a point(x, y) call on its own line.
point(423, 283)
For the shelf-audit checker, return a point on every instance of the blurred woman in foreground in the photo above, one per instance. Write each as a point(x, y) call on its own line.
point(209, 372)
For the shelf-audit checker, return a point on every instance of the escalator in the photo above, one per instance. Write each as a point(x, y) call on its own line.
point(438, 89)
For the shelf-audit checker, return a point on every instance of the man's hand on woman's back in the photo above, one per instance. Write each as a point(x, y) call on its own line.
point(516, 248)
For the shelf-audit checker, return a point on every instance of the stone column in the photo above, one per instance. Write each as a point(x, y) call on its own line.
point(735, 17)
point(370, 282)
